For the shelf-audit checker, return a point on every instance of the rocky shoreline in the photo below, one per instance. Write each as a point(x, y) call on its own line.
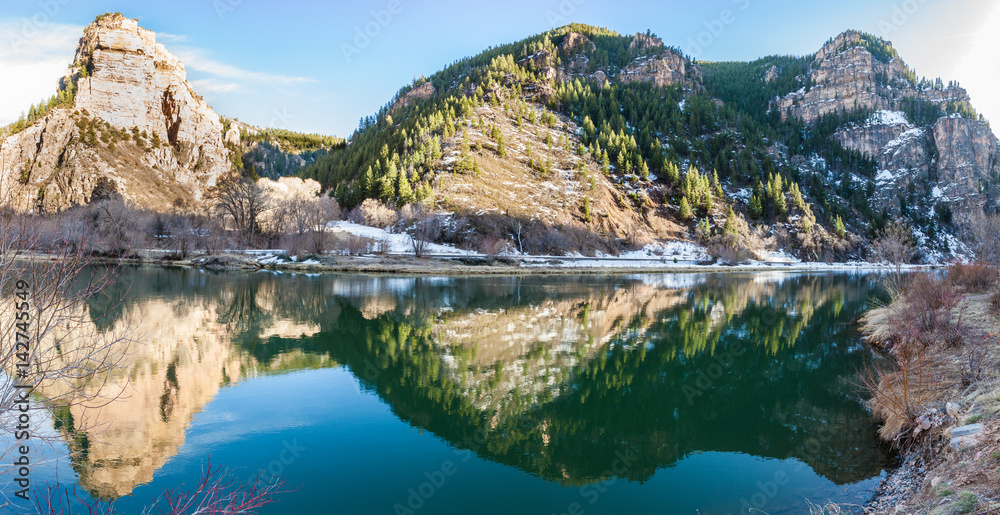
point(951, 461)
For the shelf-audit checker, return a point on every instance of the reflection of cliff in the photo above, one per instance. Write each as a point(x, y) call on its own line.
point(185, 353)
point(559, 372)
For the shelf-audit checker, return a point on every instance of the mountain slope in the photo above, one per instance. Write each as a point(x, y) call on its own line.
point(814, 151)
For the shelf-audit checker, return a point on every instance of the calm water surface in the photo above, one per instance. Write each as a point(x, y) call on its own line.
point(552, 395)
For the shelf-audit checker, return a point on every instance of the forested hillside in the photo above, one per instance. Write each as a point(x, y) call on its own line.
point(702, 142)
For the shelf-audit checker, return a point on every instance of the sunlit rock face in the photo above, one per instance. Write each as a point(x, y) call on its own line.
point(136, 129)
point(846, 76)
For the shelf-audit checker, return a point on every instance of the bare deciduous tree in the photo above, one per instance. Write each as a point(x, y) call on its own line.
point(426, 229)
point(984, 235)
point(242, 202)
point(894, 247)
point(49, 341)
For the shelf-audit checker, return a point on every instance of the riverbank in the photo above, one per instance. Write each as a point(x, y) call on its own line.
point(941, 402)
point(463, 265)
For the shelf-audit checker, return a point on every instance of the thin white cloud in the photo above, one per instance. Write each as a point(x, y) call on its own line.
point(26, 43)
point(214, 86)
point(195, 59)
point(164, 37)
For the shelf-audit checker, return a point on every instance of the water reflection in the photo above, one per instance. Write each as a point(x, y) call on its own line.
point(556, 376)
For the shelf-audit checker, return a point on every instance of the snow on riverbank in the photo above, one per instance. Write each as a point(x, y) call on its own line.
point(398, 243)
point(662, 256)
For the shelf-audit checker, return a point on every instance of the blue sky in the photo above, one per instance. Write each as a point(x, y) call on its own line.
point(300, 65)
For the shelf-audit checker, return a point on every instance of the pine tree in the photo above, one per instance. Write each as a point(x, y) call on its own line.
point(367, 180)
point(730, 226)
point(716, 186)
point(403, 190)
point(838, 227)
point(586, 208)
point(643, 170)
point(797, 200)
point(684, 209)
point(755, 209)
point(673, 173)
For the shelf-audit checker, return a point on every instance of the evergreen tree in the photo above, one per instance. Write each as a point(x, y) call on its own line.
point(730, 226)
point(755, 209)
point(838, 227)
point(684, 209)
point(403, 191)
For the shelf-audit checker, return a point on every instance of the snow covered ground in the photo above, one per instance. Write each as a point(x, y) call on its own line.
point(660, 255)
point(398, 243)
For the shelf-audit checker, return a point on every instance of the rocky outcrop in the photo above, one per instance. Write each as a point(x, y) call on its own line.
point(943, 169)
point(950, 164)
point(847, 76)
point(664, 69)
point(642, 42)
point(136, 123)
point(421, 92)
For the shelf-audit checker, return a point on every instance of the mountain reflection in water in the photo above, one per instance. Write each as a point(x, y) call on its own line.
point(556, 376)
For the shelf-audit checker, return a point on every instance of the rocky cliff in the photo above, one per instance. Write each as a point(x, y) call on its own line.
point(936, 162)
point(847, 74)
point(135, 128)
point(651, 62)
point(662, 67)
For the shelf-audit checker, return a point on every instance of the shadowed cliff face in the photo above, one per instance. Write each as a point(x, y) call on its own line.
point(553, 374)
point(947, 162)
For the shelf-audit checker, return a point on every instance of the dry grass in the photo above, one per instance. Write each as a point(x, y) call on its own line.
point(920, 330)
point(942, 333)
point(550, 201)
point(974, 278)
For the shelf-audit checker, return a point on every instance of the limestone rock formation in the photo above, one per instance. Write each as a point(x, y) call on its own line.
point(846, 76)
point(940, 168)
point(664, 69)
point(136, 126)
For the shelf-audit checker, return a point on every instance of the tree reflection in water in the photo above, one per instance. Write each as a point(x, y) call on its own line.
point(558, 373)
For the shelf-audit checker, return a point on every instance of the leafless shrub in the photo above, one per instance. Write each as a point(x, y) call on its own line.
point(294, 244)
point(117, 224)
point(383, 246)
point(984, 237)
point(357, 245)
point(319, 240)
point(66, 351)
point(426, 230)
point(893, 247)
point(995, 303)
point(493, 245)
point(899, 396)
point(373, 213)
point(218, 492)
point(930, 300)
point(724, 252)
point(974, 278)
point(546, 240)
point(455, 230)
point(976, 367)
